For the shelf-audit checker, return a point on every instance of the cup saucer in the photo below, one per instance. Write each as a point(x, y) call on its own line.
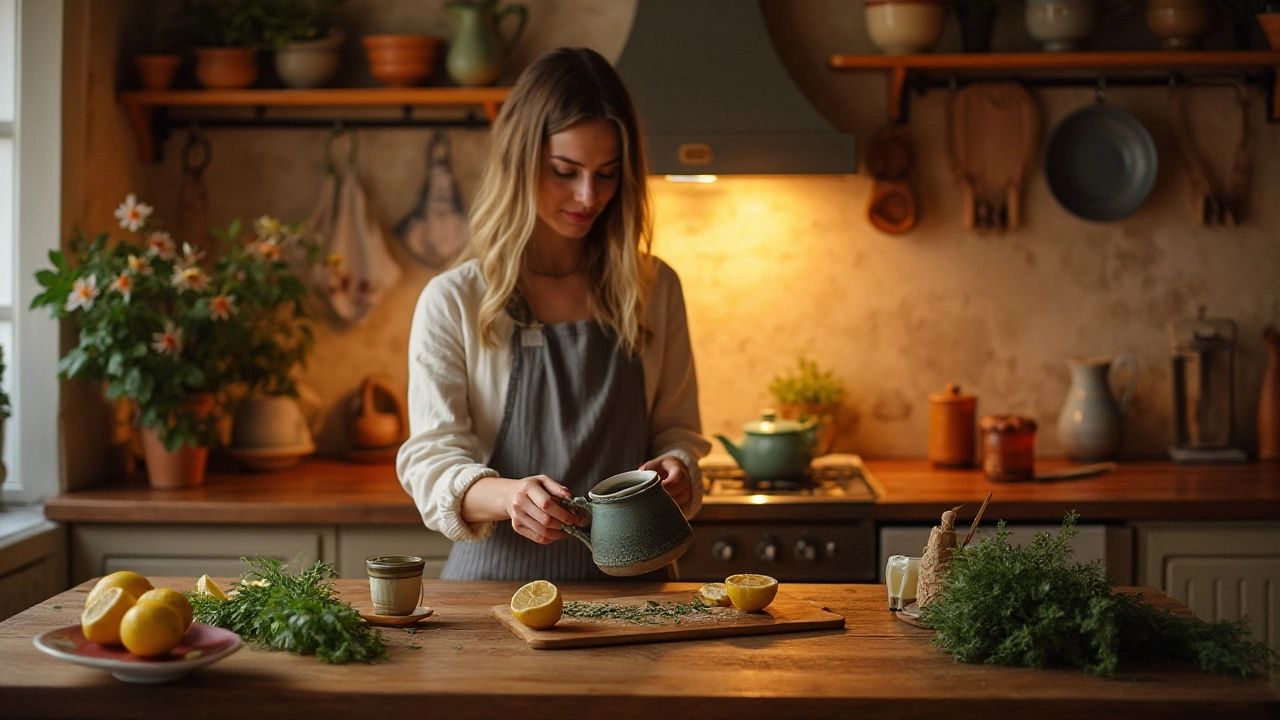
point(374, 618)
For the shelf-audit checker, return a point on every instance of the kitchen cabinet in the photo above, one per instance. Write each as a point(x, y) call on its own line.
point(98, 549)
point(149, 110)
point(33, 566)
point(925, 71)
point(1219, 570)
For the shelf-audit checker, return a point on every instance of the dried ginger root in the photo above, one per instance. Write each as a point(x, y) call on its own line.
point(937, 556)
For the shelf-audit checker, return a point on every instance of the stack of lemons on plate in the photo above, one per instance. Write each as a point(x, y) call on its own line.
point(124, 608)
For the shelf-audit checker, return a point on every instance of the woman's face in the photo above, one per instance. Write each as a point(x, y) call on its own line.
point(581, 169)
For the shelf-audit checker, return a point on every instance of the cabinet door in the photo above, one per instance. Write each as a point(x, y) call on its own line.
point(360, 542)
point(191, 551)
point(1229, 588)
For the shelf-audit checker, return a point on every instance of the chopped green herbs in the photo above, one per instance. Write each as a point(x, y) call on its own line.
point(297, 613)
point(1032, 606)
point(651, 613)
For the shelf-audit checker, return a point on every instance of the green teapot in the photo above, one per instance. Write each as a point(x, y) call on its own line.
point(478, 51)
point(634, 526)
point(774, 449)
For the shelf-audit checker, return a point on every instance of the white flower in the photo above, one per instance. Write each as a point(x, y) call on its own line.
point(123, 284)
point(161, 245)
point(132, 214)
point(189, 278)
point(169, 341)
point(190, 255)
point(223, 307)
point(83, 291)
point(139, 266)
point(267, 227)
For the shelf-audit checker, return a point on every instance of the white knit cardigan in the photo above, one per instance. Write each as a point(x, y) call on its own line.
point(458, 393)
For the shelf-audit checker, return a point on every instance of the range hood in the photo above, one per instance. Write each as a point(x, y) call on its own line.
point(715, 99)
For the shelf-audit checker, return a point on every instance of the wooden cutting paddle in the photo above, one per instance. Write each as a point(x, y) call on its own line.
point(995, 133)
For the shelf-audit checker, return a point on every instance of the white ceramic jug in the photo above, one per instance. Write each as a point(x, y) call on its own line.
point(1091, 425)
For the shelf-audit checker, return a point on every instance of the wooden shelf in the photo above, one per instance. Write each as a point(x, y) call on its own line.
point(905, 67)
point(142, 105)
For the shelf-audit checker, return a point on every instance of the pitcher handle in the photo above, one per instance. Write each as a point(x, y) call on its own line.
point(583, 504)
point(1126, 361)
point(522, 17)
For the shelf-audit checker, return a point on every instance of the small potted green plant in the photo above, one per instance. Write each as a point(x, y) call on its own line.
point(810, 391)
point(225, 35)
point(306, 43)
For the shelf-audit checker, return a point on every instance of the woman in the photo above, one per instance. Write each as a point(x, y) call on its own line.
point(556, 353)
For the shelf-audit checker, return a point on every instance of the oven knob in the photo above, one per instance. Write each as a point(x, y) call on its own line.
point(806, 551)
point(767, 549)
point(831, 548)
point(723, 550)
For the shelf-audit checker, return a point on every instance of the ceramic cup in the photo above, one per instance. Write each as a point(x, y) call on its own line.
point(900, 575)
point(395, 583)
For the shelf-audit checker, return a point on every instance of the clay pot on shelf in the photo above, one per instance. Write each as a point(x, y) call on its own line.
point(1061, 25)
point(378, 417)
point(400, 60)
point(226, 67)
point(904, 27)
point(180, 468)
point(1180, 24)
point(310, 63)
point(157, 71)
point(1270, 23)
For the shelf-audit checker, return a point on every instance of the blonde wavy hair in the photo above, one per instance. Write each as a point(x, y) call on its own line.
point(560, 89)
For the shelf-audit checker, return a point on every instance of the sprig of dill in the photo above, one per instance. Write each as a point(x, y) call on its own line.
point(294, 612)
point(1032, 606)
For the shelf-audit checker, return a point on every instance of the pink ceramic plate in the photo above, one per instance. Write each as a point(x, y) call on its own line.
point(202, 645)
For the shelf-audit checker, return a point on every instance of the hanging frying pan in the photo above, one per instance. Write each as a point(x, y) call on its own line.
point(1100, 163)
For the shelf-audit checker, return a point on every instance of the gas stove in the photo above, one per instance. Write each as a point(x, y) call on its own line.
point(818, 528)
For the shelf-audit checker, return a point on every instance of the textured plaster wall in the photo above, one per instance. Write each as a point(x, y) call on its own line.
point(776, 267)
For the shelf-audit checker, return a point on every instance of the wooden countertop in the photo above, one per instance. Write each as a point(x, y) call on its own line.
point(323, 491)
point(463, 664)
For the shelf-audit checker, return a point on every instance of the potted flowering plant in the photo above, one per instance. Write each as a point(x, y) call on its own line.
point(810, 392)
point(162, 328)
point(225, 34)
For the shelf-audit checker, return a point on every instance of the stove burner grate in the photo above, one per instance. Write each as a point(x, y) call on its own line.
point(830, 480)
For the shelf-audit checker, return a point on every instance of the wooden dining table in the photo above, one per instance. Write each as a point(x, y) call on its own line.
point(463, 663)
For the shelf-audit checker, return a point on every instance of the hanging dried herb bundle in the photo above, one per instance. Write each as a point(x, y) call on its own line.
point(1032, 606)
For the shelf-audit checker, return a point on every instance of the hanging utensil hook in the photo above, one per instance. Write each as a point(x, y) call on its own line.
point(1100, 93)
point(196, 153)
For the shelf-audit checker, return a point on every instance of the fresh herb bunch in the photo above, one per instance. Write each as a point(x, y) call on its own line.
point(296, 613)
point(808, 384)
point(1032, 606)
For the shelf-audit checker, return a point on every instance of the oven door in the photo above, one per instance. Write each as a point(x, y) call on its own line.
point(792, 551)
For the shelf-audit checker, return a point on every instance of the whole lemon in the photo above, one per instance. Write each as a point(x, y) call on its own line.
point(151, 628)
point(537, 604)
point(173, 599)
point(133, 583)
point(100, 619)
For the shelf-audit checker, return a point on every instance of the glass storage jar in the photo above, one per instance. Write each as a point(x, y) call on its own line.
point(1009, 447)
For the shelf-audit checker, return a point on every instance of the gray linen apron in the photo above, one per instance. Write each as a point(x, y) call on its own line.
point(575, 412)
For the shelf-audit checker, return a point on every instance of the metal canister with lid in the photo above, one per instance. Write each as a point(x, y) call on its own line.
point(951, 427)
point(1009, 447)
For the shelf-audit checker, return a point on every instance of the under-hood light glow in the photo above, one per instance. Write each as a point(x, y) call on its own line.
point(691, 178)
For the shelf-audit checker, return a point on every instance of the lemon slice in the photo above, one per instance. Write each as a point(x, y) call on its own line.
point(151, 628)
point(537, 604)
point(173, 599)
point(100, 619)
point(750, 592)
point(206, 586)
point(715, 594)
point(130, 581)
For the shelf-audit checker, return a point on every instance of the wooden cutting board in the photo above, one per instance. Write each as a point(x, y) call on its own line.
point(784, 614)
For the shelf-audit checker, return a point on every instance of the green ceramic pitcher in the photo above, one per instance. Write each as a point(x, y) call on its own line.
point(635, 525)
point(479, 51)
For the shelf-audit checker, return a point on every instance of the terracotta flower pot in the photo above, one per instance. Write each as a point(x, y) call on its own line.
point(828, 419)
point(310, 64)
point(181, 468)
point(157, 71)
point(400, 60)
point(226, 67)
point(1270, 23)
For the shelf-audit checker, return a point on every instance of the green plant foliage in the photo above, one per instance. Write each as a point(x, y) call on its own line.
point(216, 23)
point(286, 21)
point(5, 409)
point(157, 324)
point(1032, 606)
point(808, 384)
point(294, 612)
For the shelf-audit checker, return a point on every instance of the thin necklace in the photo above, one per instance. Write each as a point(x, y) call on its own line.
point(554, 275)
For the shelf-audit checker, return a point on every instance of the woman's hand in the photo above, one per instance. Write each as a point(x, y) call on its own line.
point(675, 478)
point(535, 509)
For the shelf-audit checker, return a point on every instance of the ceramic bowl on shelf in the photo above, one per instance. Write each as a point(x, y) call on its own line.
point(1061, 25)
point(400, 60)
point(904, 27)
point(1180, 24)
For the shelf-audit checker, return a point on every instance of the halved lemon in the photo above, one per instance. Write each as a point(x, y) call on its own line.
point(206, 586)
point(750, 592)
point(131, 582)
point(537, 604)
point(100, 619)
point(714, 593)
